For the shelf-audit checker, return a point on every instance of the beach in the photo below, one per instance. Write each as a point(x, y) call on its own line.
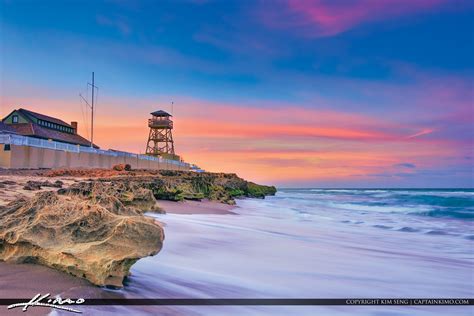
point(196, 207)
point(26, 280)
point(300, 243)
point(90, 226)
point(229, 158)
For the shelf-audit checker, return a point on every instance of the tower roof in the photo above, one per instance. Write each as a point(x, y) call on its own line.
point(160, 113)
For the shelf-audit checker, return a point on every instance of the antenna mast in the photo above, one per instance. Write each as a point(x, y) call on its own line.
point(92, 107)
point(92, 110)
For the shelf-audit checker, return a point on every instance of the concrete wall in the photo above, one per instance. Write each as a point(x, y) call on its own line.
point(5, 156)
point(28, 157)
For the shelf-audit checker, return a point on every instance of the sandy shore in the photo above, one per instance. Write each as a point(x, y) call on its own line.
point(27, 280)
point(24, 281)
point(196, 207)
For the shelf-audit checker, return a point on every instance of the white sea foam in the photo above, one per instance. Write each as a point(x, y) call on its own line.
point(308, 247)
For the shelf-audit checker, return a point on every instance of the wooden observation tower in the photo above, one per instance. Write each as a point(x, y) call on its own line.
point(160, 140)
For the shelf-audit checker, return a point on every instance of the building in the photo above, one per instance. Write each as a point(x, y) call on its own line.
point(4, 128)
point(30, 140)
point(28, 123)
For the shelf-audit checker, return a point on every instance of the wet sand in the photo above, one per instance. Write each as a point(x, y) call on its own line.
point(196, 207)
point(24, 281)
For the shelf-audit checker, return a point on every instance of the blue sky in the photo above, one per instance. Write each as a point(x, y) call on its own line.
point(307, 84)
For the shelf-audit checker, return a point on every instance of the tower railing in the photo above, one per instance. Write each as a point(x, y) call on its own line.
point(154, 123)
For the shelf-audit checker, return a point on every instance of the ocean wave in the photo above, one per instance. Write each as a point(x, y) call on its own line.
point(436, 232)
point(375, 207)
point(408, 229)
point(383, 226)
point(456, 213)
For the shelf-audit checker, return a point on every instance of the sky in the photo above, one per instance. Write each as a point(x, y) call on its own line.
point(295, 93)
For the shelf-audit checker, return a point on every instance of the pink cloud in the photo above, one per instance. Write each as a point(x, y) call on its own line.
point(320, 18)
point(421, 133)
point(277, 141)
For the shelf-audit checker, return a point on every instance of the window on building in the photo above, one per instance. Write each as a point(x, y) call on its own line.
point(15, 119)
point(6, 147)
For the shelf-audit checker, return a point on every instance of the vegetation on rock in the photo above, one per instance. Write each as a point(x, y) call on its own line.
point(222, 187)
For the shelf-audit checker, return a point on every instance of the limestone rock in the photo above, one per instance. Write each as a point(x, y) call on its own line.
point(97, 238)
point(37, 185)
point(129, 192)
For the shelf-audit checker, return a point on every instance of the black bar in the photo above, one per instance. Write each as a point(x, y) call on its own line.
point(267, 301)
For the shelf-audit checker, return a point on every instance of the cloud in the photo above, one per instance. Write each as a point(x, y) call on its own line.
point(118, 23)
point(282, 142)
point(405, 165)
point(263, 144)
point(320, 18)
point(421, 133)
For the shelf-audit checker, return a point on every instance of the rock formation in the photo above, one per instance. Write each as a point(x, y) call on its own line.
point(95, 228)
point(222, 187)
point(175, 186)
point(93, 237)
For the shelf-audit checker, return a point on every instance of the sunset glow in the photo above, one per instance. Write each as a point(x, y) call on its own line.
point(300, 93)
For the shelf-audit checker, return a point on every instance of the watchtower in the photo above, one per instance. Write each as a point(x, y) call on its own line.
point(160, 140)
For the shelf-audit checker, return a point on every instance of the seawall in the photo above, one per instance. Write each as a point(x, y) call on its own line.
point(22, 152)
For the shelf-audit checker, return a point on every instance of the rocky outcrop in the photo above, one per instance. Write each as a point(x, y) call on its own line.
point(96, 237)
point(130, 192)
point(95, 228)
point(222, 187)
point(37, 185)
point(144, 189)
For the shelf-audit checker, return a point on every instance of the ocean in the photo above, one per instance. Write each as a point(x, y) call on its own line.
point(316, 243)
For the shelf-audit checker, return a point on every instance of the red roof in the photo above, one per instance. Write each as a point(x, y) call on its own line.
point(43, 117)
point(5, 128)
point(34, 130)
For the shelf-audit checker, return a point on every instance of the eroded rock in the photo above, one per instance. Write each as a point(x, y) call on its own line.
point(95, 228)
point(37, 185)
point(128, 191)
point(93, 237)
